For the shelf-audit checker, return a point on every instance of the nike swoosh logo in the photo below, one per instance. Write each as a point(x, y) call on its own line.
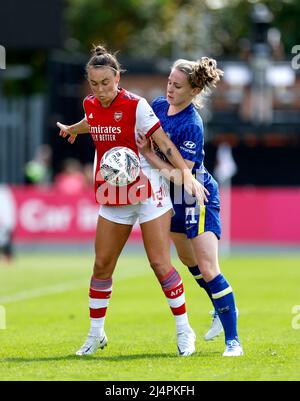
point(179, 351)
point(189, 227)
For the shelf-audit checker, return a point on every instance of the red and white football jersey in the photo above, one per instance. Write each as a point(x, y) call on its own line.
point(119, 125)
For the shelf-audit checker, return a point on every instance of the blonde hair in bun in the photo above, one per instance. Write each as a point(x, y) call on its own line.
point(203, 74)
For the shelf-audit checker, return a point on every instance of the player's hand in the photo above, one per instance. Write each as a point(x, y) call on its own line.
point(67, 130)
point(144, 145)
point(195, 188)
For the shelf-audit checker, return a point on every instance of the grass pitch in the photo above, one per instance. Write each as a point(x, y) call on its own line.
point(45, 299)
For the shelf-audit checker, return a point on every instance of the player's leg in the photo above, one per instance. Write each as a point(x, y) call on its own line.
point(203, 227)
point(205, 247)
point(110, 240)
point(156, 241)
point(186, 254)
point(183, 224)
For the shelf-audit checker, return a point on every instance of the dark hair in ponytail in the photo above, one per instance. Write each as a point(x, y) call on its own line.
point(102, 58)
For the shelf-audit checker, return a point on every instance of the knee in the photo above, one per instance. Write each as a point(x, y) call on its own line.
point(102, 268)
point(160, 269)
point(187, 260)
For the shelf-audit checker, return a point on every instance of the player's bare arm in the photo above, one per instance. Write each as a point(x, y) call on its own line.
point(166, 168)
point(192, 186)
point(82, 127)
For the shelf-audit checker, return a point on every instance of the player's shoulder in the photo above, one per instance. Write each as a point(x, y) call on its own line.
point(195, 128)
point(89, 99)
point(194, 120)
point(191, 125)
point(129, 96)
point(159, 102)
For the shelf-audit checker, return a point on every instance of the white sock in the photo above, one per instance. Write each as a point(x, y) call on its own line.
point(182, 323)
point(97, 327)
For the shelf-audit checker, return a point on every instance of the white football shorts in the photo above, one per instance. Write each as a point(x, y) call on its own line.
point(155, 206)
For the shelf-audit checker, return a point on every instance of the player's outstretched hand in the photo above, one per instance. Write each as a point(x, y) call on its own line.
point(67, 130)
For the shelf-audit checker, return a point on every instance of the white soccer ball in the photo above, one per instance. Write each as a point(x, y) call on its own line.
point(120, 166)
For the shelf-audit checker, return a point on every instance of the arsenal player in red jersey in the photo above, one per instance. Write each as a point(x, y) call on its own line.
point(114, 117)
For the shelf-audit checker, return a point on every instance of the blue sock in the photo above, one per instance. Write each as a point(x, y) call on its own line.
point(223, 299)
point(195, 271)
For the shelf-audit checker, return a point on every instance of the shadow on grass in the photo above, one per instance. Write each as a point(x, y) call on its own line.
point(116, 358)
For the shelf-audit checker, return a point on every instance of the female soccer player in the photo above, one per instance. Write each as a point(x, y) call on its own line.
point(195, 229)
point(114, 116)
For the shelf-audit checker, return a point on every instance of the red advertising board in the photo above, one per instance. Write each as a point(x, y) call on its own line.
point(258, 215)
point(265, 215)
point(45, 215)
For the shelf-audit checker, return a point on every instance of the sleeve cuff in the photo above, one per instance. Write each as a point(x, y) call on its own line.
point(153, 129)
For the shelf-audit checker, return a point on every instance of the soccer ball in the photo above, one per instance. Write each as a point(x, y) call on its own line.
point(120, 166)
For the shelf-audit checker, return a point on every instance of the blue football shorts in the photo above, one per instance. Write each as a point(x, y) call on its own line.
point(193, 219)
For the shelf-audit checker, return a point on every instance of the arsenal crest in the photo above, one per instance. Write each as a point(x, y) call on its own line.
point(118, 116)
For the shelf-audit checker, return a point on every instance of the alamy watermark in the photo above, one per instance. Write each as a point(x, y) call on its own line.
point(138, 190)
point(296, 59)
point(2, 318)
point(2, 58)
point(296, 319)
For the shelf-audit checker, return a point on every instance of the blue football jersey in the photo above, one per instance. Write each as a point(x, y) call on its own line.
point(185, 129)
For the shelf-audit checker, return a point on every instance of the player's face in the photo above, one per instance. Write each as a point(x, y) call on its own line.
point(179, 91)
point(104, 84)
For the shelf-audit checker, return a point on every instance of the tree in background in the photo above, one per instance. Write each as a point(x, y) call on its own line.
point(175, 28)
point(141, 28)
point(232, 23)
point(112, 22)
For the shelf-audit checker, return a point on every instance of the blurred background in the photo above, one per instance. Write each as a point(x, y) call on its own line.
point(252, 119)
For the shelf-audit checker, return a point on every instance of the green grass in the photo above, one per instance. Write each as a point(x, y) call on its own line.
point(44, 329)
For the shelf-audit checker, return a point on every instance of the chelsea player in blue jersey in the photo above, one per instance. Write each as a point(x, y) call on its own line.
point(195, 229)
